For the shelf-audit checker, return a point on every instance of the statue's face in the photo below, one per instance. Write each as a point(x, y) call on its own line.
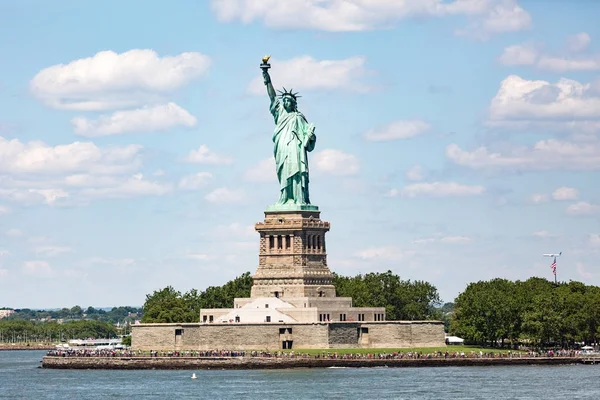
point(289, 104)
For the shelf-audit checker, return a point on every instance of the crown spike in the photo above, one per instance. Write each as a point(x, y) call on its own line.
point(290, 93)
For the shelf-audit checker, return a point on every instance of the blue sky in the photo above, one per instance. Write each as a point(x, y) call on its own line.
point(457, 141)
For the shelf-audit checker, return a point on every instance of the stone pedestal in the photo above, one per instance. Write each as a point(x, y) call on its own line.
point(292, 256)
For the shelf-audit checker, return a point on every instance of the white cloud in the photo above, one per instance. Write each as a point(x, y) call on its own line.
point(565, 193)
point(204, 156)
point(522, 99)
point(415, 173)
point(595, 240)
point(33, 196)
point(195, 181)
point(362, 15)
point(520, 54)
point(307, 73)
point(38, 268)
point(392, 193)
point(4, 210)
point(455, 239)
point(264, 171)
point(86, 180)
point(532, 55)
point(147, 119)
point(543, 234)
point(538, 198)
point(441, 189)
point(51, 251)
point(385, 253)
point(544, 155)
point(427, 240)
point(39, 158)
point(502, 16)
point(72, 174)
point(560, 64)
point(50, 195)
point(14, 233)
point(109, 80)
point(224, 195)
point(583, 208)
point(133, 186)
point(398, 130)
point(539, 106)
point(3, 272)
point(336, 162)
point(578, 42)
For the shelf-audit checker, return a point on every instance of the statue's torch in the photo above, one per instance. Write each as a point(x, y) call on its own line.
point(265, 63)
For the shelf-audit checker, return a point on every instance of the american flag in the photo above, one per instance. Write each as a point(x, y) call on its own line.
point(553, 266)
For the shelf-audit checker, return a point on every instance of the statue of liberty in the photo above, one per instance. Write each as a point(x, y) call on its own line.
point(293, 138)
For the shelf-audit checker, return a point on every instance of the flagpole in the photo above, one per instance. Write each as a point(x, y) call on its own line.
point(553, 265)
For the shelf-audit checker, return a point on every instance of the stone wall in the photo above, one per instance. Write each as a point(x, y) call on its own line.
point(428, 334)
point(310, 336)
point(154, 336)
point(227, 336)
point(269, 336)
point(340, 335)
point(393, 334)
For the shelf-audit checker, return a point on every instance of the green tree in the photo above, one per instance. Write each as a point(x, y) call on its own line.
point(403, 300)
point(487, 313)
point(222, 296)
point(590, 308)
point(126, 340)
point(75, 312)
point(169, 305)
point(166, 305)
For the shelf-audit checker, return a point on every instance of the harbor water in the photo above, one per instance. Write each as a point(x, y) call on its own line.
point(21, 378)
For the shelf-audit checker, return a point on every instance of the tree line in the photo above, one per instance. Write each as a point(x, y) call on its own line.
point(20, 331)
point(402, 299)
point(536, 312)
point(115, 314)
point(170, 305)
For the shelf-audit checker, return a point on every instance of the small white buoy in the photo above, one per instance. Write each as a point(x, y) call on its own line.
point(194, 376)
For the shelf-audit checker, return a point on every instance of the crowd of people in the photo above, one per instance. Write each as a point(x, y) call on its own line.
point(71, 352)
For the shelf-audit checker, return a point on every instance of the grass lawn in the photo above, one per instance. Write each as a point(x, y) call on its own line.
point(423, 350)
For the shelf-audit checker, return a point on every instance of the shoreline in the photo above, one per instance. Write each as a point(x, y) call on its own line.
point(240, 363)
point(25, 347)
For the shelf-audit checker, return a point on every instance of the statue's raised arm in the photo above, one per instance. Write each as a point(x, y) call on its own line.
point(267, 78)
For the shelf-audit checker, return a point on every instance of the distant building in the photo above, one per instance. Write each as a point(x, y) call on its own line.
point(6, 313)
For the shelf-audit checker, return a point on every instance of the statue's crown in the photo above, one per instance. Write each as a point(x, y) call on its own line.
point(290, 93)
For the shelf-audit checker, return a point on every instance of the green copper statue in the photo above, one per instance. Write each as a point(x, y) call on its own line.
point(293, 138)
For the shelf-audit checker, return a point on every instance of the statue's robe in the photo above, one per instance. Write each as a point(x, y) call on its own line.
point(291, 144)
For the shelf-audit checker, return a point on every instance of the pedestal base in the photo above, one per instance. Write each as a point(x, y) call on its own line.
point(292, 257)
